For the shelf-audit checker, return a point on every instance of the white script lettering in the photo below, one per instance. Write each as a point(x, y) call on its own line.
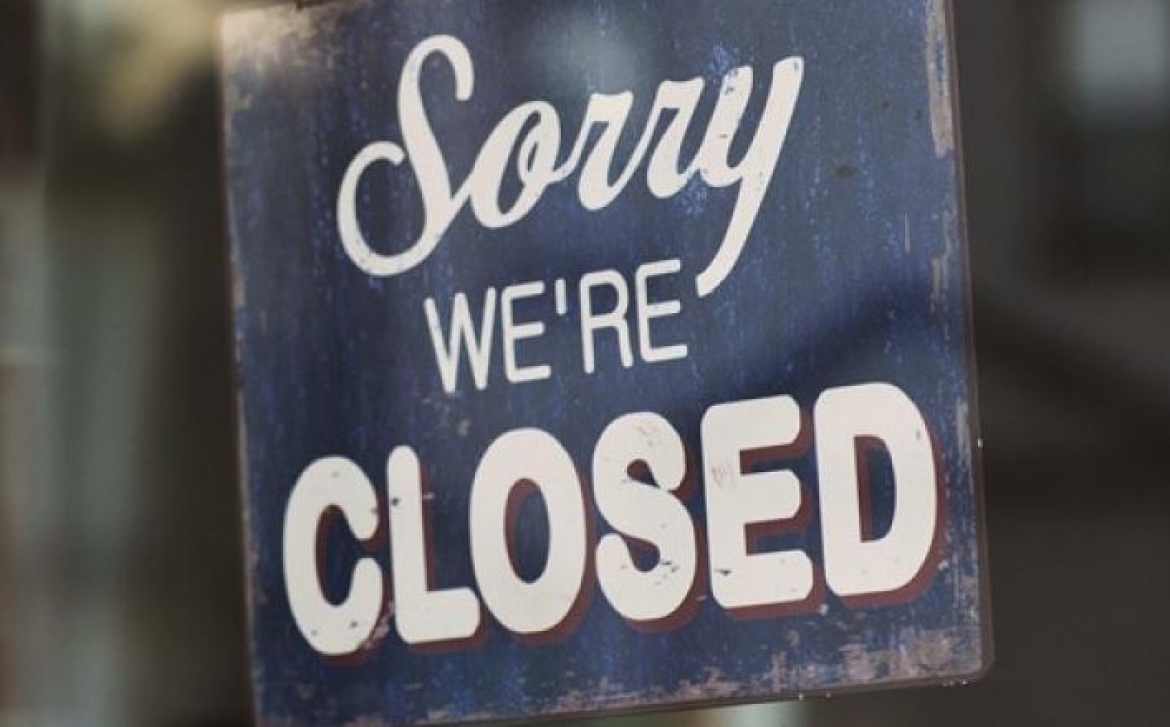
point(536, 127)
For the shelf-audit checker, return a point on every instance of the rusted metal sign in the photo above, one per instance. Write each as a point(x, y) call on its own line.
point(600, 355)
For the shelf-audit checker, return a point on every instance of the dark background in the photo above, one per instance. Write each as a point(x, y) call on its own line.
point(120, 568)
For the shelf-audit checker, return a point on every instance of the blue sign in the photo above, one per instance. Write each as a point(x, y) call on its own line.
point(600, 355)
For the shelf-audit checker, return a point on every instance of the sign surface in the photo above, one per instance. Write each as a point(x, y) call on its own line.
point(600, 355)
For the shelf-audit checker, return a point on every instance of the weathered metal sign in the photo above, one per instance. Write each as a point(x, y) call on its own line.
point(599, 355)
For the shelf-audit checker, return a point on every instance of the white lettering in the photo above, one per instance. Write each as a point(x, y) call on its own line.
point(615, 319)
point(332, 484)
point(639, 485)
point(422, 615)
point(528, 457)
point(514, 332)
point(536, 165)
point(644, 512)
point(736, 499)
point(462, 335)
point(853, 565)
point(648, 311)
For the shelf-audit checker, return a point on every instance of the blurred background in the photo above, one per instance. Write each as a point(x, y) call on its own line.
point(120, 573)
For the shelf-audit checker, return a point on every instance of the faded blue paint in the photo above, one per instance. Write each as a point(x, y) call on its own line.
point(855, 272)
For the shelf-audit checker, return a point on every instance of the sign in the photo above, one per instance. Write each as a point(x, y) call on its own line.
point(600, 355)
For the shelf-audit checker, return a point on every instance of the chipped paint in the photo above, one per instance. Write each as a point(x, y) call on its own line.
point(943, 266)
point(938, 73)
point(963, 414)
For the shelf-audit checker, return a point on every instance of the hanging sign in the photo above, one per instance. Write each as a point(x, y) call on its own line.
point(600, 355)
